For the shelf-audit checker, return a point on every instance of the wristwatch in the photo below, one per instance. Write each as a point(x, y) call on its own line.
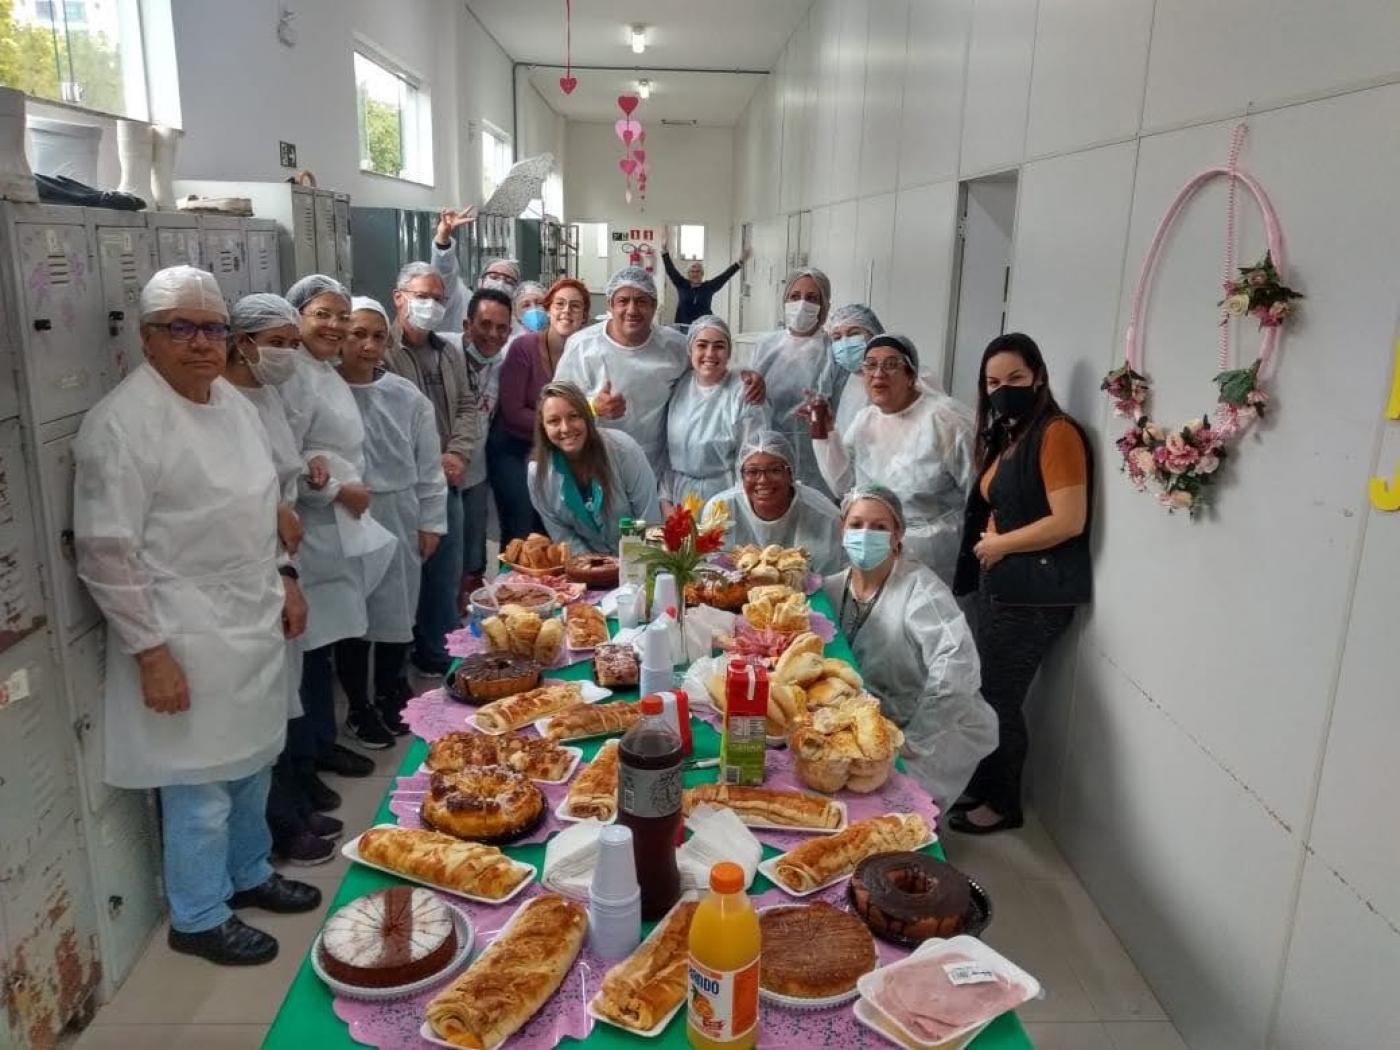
point(289, 571)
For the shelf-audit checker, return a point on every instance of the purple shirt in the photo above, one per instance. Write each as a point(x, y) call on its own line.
point(523, 374)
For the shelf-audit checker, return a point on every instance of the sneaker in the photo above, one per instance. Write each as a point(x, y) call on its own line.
point(390, 710)
point(366, 726)
point(234, 943)
point(344, 762)
point(305, 849)
point(325, 827)
point(320, 796)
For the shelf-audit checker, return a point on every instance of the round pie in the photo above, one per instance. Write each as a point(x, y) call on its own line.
point(490, 804)
point(813, 951)
point(597, 571)
point(482, 677)
point(389, 938)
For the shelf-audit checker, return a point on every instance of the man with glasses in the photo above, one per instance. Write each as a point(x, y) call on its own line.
point(426, 355)
point(175, 519)
point(770, 506)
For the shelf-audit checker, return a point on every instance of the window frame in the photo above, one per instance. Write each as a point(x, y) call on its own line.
point(504, 144)
point(414, 107)
point(681, 238)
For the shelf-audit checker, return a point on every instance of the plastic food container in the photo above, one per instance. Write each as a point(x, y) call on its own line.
point(487, 601)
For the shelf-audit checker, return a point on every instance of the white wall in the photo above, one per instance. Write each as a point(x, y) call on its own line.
point(690, 182)
point(1213, 743)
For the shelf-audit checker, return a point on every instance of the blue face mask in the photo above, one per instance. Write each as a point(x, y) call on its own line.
point(866, 548)
point(849, 352)
point(535, 318)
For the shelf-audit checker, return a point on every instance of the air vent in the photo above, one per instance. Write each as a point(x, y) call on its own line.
point(680, 123)
point(129, 274)
point(57, 264)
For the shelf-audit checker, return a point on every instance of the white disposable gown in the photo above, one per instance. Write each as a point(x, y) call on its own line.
point(403, 469)
point(853, 398)
point(175, 518)
point(644, 375)
point(792, 366)
point(342, 559)
point(705, 428)
point(631, 495)
point(924, 456)
point(918, 656)
point(812, 522)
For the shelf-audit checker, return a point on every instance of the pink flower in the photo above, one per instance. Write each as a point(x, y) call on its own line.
point(1279, 310)
point(1129, 441)
point(1256, 278)
point(1142, 461)
point(1177, 455)
point(1208, 463)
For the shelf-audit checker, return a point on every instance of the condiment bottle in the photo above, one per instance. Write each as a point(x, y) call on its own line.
point(649, 802)
point(725, 946)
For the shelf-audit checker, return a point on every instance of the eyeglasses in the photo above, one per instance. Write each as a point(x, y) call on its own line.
point(777, 473)
point(564, 306)
point(322, 314)
point(183, 331)
point(887, 365)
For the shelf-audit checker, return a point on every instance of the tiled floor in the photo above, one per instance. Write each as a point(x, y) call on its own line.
point(1095, 999)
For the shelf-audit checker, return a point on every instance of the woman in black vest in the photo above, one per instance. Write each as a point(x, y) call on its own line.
point(1025, 550)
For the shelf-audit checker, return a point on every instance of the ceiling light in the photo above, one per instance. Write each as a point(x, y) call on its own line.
point(639, 39)
point(644, 88)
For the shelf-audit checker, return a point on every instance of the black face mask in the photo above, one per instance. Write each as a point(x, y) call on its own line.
point(1012, 402)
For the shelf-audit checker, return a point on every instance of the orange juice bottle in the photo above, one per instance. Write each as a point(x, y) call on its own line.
point(722, 1000)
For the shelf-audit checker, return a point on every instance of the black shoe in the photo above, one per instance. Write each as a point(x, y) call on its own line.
point(958, 822)
point(283, 896)
point(963, 804)
point(235, 943)
point(366, 726)
point(343, 761)
point(320, 796)
point(391, 711)
point(325, 827)
point(305, 849)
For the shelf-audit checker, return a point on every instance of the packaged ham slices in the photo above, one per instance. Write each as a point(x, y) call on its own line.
point(946, 990)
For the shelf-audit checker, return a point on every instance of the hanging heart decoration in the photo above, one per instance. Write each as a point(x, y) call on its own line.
point(642, 139)
point(627, 165)
point(628, 195)
point(627, 103)
point(568, 81)
point(640, 156)
point(627, 130)
point(567, 84)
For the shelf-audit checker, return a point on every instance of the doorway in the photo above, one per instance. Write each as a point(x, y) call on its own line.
point(986, 225)
point(594, 248)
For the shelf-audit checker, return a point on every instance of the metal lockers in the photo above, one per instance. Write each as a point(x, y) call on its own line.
point(126, 259)
point(344, 261)
point(260, 253)
point(76, 611)
point(177, 239)
point(85, 665)
point(21, 600)
point(223, 243)
point(126, 890)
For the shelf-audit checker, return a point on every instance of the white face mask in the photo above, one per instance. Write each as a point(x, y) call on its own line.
point(425, 314)
point(274, 366)
point(801, 316)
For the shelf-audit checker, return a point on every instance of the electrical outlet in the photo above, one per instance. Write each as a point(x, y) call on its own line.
point(288, 152)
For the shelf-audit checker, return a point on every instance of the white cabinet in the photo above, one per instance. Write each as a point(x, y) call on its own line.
point(126, 258)
point(884, 96)
point(874, 250)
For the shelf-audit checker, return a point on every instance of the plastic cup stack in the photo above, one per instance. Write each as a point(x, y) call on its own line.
point(664, 595)
point(628, 597)
point(658, 671)
point(615, 898)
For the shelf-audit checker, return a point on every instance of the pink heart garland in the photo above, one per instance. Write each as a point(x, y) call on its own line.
point(627, 130)
point(628, 165)
point(627, 103)
point(641, 138)
point(567, 84)
point(640, 155)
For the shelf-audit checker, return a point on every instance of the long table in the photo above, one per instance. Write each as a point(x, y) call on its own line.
point(306, 1020)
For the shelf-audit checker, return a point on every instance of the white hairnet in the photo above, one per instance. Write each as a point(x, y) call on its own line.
point(507, 264)
point(364, 302)
point(879, 494)
point(769, 441)
point(531, 288)
point(708, 321)
point(182, 286)
point(902, 343)
point(823, 283)
point(630, 277)
point(260, 311)
point(312, 285)
point(857, 314)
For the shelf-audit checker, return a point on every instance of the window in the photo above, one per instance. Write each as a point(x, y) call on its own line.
point(497, 156)
point(604, 241)
point(88, 53)
point(395, 119)
point(693, 242)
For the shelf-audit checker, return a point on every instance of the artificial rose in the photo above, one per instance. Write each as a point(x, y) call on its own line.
point(1142, 461)
point(1237, 305)
point(677, 528)
point(1281, 309)
point(1152, 431)
point(1208, 463)
point(1177, 454)
point(1256, 278)
point(1129, 441)
point(1256, 397)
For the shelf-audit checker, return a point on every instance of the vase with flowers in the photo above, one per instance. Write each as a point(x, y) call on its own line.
point(688, 539)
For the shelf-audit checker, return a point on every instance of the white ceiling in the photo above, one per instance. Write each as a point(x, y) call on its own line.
point(681, 35)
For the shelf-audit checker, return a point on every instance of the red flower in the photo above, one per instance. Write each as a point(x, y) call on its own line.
point(678, 528)
point(710, 541)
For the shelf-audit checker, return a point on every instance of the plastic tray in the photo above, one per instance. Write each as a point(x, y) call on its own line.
point(590, 691)
point(790, 828)
point(793, 1002)
point(575, 753)
point(660, 1026)
point(351, 851)
point(466, 940)
point(870, 1016)
point(974, 949)
point(770, 868)
point(563, 814)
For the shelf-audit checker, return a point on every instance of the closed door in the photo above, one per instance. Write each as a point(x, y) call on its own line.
point(125, 260)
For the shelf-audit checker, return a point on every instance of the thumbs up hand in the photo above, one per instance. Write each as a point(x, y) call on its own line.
point(609, 405)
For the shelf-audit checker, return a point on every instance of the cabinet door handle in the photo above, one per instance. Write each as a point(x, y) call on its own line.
point(42, 324)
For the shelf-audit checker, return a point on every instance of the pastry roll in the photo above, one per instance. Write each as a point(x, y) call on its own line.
point(766, 806)
point(512, 712)
point(584, 720)
point(513, 977)
point(468, 867)
point(818, 861)
point(642, 989)
point(594, 791)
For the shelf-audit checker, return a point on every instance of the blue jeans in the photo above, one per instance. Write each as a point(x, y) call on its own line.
point(437, 601)
point(474, 528)
point(216, 843)
point(507, 459)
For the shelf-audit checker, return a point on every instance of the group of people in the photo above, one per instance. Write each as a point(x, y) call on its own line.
point(295, 492)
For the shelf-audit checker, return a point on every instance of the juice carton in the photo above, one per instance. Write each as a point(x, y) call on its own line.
point(743, 747)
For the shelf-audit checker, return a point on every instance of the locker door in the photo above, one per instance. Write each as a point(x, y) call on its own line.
point(224, 251)
point(86, 664)
point(124, 846)
point(35, 754)
point(178, 246)
point(324, 210)
point(261, 253)
point(76, 611)
point(344, 262)
point(304, 237)
point(125, 262)
point(63, 334)
point(21, 600)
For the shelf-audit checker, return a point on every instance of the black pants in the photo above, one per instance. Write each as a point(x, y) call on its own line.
point(287, 805)
point(352, 659)
point(313, 734)
point(1011, 641)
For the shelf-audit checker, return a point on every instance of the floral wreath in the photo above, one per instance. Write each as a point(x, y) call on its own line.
point(1180, 464)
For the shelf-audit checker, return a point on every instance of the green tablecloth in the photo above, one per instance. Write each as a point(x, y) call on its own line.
point(306, 1020)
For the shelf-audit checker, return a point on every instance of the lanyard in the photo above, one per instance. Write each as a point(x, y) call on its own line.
point(863, 609)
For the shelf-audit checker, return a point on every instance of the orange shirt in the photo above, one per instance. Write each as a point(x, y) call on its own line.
point(1064, 462)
